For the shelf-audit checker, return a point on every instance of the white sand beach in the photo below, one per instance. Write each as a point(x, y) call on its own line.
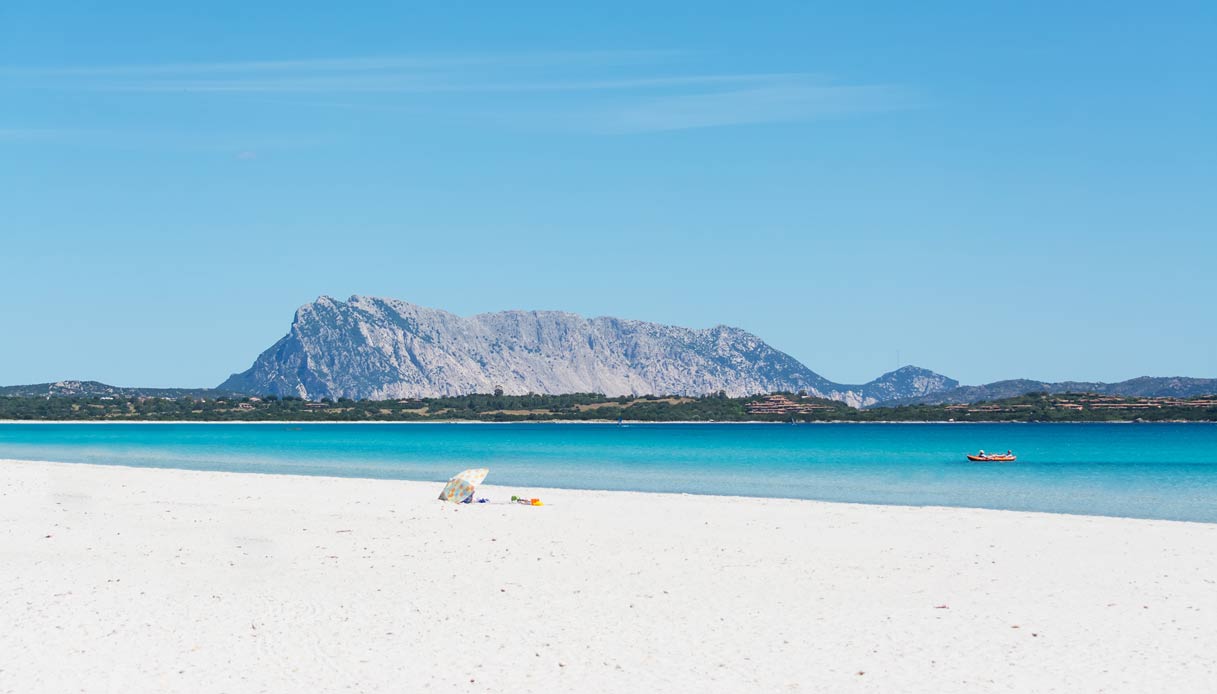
point(136, 580)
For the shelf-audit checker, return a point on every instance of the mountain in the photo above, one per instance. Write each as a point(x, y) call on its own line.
point(376, 348)
point(1144, 387)
point(905, 382)
point(90, 389)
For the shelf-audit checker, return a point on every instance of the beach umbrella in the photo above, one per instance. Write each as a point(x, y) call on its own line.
point(461, 487)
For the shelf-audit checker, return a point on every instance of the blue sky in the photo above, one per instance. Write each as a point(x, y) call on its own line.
point(990, 190)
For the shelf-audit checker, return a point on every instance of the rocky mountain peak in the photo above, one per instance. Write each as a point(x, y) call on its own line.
point(373, 347)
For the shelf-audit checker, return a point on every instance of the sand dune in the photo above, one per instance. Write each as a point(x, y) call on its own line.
point(133, 580)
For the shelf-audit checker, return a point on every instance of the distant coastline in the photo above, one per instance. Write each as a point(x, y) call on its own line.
point(600, 422)
point(783, 408)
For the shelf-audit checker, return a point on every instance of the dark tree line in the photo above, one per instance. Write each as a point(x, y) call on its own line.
point(570, 407)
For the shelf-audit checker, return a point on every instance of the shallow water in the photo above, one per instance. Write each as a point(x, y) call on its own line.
point(1145, 470)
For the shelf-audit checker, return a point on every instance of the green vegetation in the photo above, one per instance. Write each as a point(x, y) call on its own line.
point(1065, 407)
point(500, 408)
point(1036, 407)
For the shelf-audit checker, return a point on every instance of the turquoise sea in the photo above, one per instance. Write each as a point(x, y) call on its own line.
point(1136, 470)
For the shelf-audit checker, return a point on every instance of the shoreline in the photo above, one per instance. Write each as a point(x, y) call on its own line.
point(147, 579)
point(657, 494)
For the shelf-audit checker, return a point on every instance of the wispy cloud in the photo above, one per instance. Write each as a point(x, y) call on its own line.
point(367, 64)
point(784, 102)
point(34, 134)
point(160, 140)
point(431, 84)
point(599, 91)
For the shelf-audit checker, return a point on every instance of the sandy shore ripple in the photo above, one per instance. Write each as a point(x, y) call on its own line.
point(137, 580)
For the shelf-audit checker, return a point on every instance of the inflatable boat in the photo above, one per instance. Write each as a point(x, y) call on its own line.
point(992, 458)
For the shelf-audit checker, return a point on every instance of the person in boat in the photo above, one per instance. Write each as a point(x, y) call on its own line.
point(1010, 453)
point(981, 454)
